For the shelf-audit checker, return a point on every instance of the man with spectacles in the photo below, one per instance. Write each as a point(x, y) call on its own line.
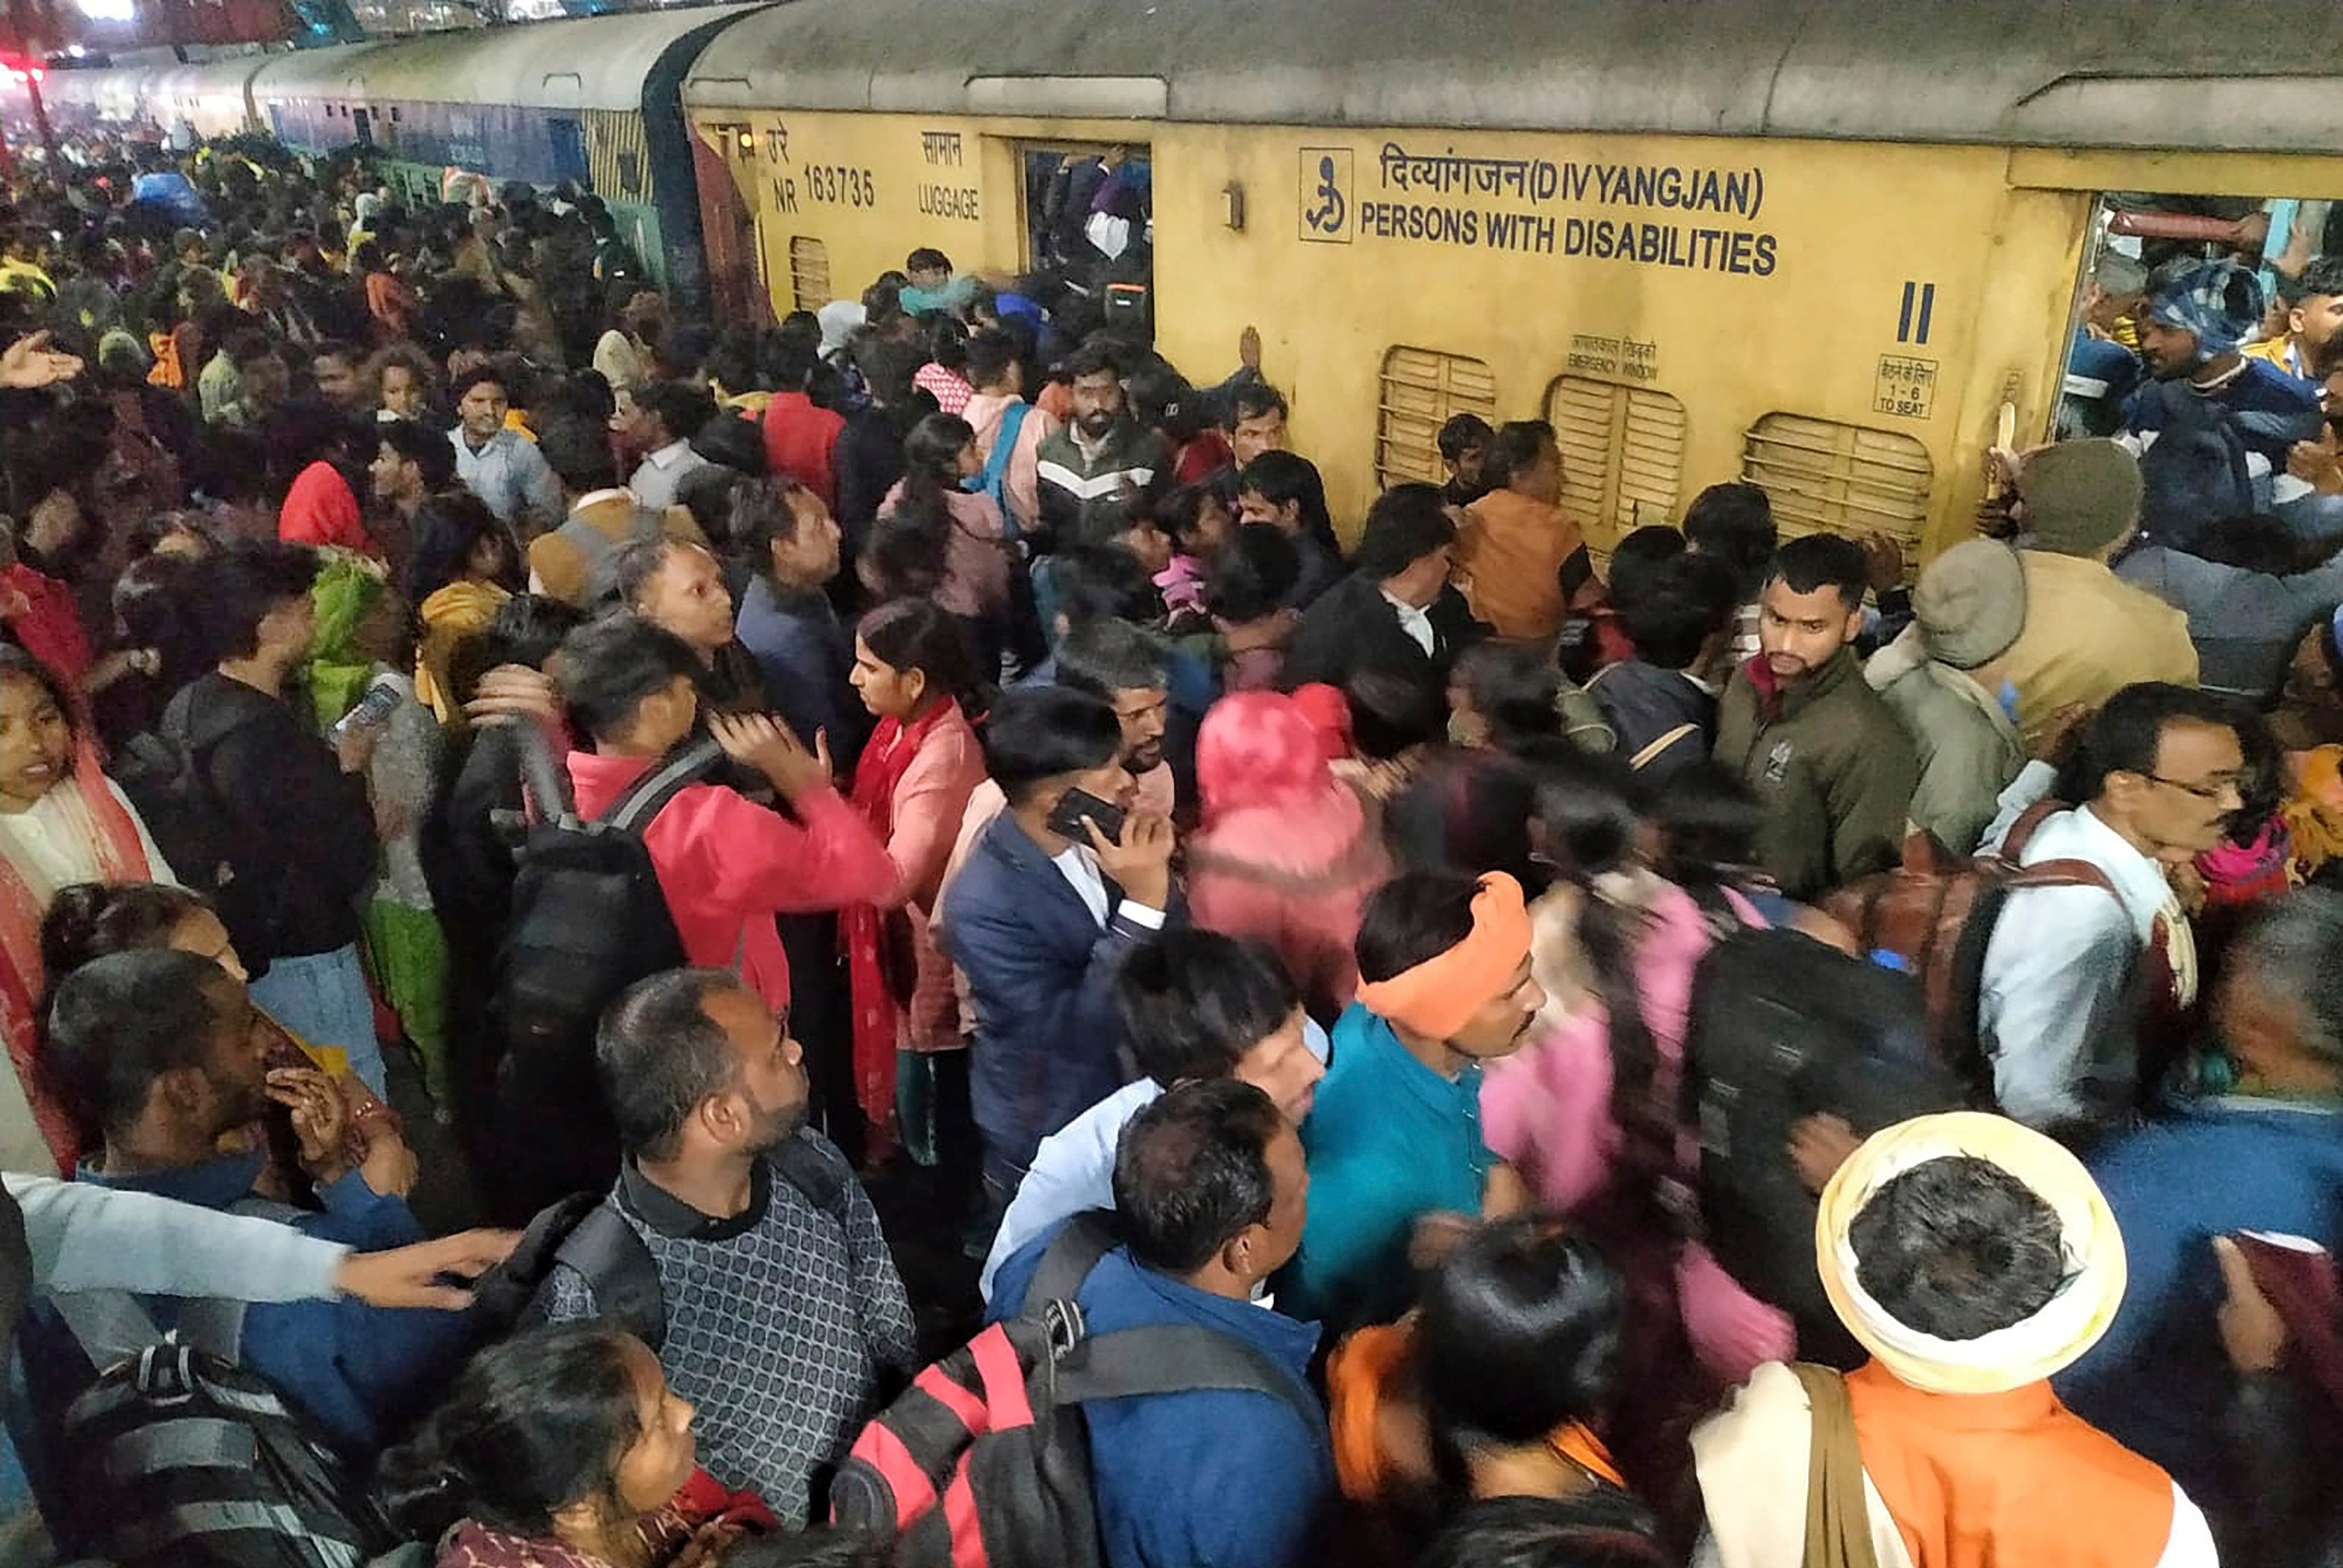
point(2077, 979)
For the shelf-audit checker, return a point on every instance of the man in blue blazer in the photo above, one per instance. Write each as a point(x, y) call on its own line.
point(1040, 917)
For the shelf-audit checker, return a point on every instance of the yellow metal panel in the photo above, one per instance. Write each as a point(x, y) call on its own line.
point(1423, 389)
point(2196, 174)
point(1905, 290)
point(872, 187)
point(809, 273)
point(1622, 455)
point(616, 156)
point(1821, 475)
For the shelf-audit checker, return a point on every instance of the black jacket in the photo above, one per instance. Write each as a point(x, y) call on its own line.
point(1352, 629)
point(304, 828)
point(867, 461)
point(1664, 722)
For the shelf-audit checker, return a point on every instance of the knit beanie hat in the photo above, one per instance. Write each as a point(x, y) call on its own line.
point(2080, 496)
point(1970, 603)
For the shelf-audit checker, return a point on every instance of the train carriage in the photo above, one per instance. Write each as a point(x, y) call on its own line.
point(588, 100)
point(1832, 246)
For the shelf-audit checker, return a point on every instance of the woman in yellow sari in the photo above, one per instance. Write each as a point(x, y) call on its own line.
point(466, 564)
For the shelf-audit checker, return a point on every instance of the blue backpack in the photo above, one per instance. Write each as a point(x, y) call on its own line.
point(994, 480)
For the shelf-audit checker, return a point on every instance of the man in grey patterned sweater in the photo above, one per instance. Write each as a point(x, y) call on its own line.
point(783, 1309)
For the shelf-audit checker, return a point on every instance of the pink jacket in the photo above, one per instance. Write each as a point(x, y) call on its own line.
point(1546, 1110)
point(928, 806)
point(984, 413)
point(727, 864)
point(976, 553)
point(1296, 878)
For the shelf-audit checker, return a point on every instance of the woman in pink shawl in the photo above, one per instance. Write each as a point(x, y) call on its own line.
point(1589, 1112)
point(1285, 851)
point(62, 822)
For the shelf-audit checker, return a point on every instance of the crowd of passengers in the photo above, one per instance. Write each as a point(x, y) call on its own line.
point(1721, 1049)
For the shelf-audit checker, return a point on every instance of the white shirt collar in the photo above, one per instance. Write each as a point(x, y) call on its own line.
point(2138, 879)
point(1079, 865)
point(668, 456)
point(1415, 622)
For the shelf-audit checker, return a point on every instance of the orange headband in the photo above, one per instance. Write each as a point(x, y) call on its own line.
point(1437, 996)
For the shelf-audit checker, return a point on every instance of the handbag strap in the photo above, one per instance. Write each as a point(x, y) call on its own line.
point(1838, 1519)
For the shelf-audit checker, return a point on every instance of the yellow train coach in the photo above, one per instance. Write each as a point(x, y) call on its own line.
point(1831, 246)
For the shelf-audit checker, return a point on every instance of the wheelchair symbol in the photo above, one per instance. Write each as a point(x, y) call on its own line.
point(1325, 201)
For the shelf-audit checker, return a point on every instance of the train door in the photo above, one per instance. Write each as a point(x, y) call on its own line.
point(1089, 212)
point(2285, 462)
point(569, 162)
point(362, 127)
point(2138, 239)
point(728, 230)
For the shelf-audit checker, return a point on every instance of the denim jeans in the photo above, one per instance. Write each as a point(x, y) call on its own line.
point(322, 999)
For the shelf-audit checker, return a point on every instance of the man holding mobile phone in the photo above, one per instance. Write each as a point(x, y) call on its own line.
point(1055, 894)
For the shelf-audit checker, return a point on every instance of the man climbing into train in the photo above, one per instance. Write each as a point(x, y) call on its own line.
point(2213, 427)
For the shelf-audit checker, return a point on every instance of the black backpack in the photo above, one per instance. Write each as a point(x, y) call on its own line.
point(166, 773)
point(588, 921)
point(586, 1232)
point(1783, 1027)
point(178, 1458)
point(968, 1467)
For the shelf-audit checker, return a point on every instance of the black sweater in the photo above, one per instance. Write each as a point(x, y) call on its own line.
point(304, 834)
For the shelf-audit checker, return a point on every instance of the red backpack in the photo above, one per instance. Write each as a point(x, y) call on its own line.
point(984, 1462)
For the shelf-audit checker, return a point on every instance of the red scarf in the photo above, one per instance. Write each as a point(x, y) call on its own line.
point(120, 859)
point(667, 1534)
point(41, 612)
point(861, 929)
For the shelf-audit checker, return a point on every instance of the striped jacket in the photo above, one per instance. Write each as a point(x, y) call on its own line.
point(1084, 497)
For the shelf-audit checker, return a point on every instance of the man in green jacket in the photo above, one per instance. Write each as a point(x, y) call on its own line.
point(1942, 678)
point(1827, 759)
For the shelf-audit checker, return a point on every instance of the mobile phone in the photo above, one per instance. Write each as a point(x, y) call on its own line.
point(373, 708)
point(1066, 817)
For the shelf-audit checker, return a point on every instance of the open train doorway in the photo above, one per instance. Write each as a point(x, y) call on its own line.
point(1089, 222)
point(2237, 374)
point(2141, 241)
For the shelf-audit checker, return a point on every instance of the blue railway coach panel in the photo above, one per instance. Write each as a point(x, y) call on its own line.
point(542, 147)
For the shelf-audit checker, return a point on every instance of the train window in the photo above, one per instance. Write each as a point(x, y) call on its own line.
point(1822, 475)
point(1421, 390)
point(809, 272)
point(1621, 455)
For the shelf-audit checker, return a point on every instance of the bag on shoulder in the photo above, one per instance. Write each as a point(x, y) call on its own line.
point(1937, 912)
point(179, 1457)
point(1783, 1027)
point(588, 920)
point(994, 480)
point(585, 1233)
point(165, 771)
point(986, 1457)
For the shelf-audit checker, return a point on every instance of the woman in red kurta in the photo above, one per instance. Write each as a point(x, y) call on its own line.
point(914, 669)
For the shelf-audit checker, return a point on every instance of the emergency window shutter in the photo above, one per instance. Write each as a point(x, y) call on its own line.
point(1622, 455)
point(1421, 390)
point(1823, 475)
point(809, 272)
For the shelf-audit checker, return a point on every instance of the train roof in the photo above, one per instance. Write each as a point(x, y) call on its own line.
point(585, 63)
point(2069, 72)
